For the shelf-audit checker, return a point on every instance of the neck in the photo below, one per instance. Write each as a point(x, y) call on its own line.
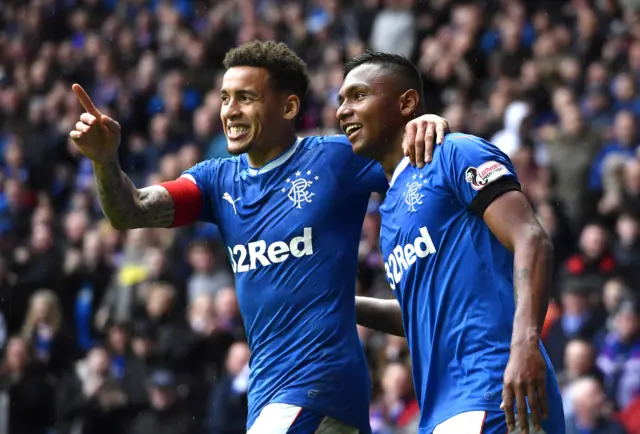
point(259, 158)
point(393, 155)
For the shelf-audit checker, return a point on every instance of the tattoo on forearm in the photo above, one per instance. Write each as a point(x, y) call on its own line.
point(518, 276)
point(522, 274)
point(128, 208)
point(158, 209)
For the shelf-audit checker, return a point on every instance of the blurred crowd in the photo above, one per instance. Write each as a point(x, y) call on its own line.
point(139, 331)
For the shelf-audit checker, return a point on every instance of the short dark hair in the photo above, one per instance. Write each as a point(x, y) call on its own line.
point(398, 65)
point(287, 71)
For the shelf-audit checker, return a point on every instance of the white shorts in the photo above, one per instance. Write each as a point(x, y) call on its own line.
point(290, 419)
point(478, 422)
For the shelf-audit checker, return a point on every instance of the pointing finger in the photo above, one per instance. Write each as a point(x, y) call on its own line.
point(85, 100)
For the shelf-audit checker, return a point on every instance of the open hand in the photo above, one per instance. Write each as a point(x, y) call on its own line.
point(524, 380)
point(421, 136)
point(96, 135)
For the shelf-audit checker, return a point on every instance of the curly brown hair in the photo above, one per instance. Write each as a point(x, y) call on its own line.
point(287, 71)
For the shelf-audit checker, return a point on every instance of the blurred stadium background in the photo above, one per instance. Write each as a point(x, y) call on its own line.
point(139, 332)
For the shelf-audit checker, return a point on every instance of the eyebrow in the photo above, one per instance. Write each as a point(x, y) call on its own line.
point(241, 92)
point(352, 88)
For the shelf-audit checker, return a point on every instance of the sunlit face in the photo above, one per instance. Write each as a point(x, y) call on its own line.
point(579, 358)
point(366, 112)
point(249, 106)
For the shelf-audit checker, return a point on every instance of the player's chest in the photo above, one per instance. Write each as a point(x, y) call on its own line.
point(276, 206)
point(414, 218)
point(411, 202)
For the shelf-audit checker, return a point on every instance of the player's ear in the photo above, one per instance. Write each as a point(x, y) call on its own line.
point(292, 107)
point(409, 102)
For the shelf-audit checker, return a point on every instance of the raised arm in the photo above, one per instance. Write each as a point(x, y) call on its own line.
point(380, 315)
point(126, 207)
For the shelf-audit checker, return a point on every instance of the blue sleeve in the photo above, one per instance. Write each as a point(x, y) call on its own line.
point(471, 164)
point(206, 175)
point(358, 174)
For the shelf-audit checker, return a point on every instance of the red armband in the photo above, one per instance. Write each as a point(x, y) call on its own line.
point(187, 200)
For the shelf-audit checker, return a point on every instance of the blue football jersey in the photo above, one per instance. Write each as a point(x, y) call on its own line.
point(292, 230)
point(453, 279)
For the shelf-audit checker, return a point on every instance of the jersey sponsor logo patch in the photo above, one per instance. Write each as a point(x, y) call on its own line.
point(298, 190)
point(402, 257)
point(244, 258)
point(486, 173)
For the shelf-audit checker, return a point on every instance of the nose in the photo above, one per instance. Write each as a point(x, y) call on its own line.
point(343, 111)
point(231, 109)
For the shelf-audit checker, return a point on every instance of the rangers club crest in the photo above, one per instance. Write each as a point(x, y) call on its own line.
point(412, 195)
point(485, 174)
point(298, 190)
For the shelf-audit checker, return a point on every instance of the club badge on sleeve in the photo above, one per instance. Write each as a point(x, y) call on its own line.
point(486, 173)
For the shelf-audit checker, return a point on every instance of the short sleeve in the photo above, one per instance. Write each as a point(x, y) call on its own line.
point(477, 171)
point(206, 175)
point(360, 175)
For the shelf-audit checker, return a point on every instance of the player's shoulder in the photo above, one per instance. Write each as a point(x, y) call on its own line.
point(462, 145)
point(464, 142)
point(215, 163)
point(215, 166)
point(336, 148)
point(335, 143)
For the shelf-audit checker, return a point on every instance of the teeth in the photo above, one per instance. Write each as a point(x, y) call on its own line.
point(352, 128)
point(236, 130)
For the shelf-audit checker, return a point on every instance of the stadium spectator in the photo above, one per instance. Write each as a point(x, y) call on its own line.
point(90, 399)
point(44, 332)
point(26, 394)
point(227, 411)
point(589, 410)
point(620, 355)
point(167, 413)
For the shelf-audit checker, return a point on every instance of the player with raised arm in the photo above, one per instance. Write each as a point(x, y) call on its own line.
point(466, 259)
point(290, 211)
